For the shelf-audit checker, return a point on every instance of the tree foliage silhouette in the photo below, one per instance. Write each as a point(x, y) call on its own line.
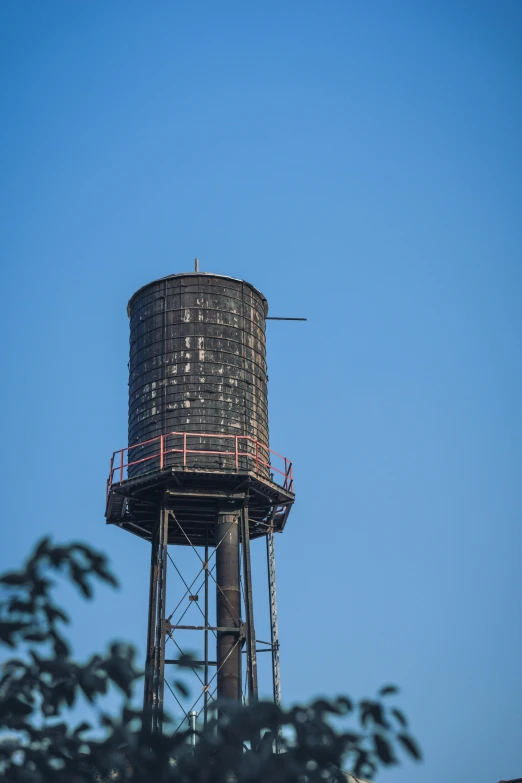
point(41, 681)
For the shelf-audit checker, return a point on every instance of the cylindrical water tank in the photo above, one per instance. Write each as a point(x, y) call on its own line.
point(198, 365)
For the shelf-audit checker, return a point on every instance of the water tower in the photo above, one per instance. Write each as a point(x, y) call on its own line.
point(198, 472)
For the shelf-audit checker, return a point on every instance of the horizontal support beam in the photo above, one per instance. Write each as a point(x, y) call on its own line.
point(193, 493)
point(220, 628)
point(187, 664)
point(265, 649)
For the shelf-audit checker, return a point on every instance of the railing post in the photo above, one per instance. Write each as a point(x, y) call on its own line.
point(237, 454)
point(161, 451)
point(121, 465)
point(184, 449)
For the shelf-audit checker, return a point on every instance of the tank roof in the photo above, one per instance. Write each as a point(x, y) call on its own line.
point(197, 274)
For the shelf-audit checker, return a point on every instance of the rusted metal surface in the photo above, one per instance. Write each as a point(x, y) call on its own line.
point(194, 497)
point(155, 661)
point(197, 364)
point(228, 606)
point(274, 625)
point(249, 609)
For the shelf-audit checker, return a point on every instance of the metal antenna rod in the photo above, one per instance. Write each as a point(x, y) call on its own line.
point(274, 318)
point(196, 265)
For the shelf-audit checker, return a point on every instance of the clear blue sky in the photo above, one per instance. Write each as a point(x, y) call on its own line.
point(360, 163)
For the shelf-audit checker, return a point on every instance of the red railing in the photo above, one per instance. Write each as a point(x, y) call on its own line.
point(253, 450)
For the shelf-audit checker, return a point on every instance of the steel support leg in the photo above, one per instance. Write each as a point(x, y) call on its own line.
point(228, 606)
point(274, 626)
point(249, 610)
point(206, 685)
point(155, 661)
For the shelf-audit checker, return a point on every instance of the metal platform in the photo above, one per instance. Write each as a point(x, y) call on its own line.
point(195, 496)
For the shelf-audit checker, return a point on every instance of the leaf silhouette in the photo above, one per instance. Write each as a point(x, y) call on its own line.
point(181, 687)
point(383, 749)
point(410, 745)
point(13, 578)
point(388, 690)
point(399, 716)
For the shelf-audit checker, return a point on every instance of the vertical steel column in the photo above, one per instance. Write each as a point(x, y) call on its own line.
point(155, 661)
point(205, 695)
point(274, 625)
point(249, 609)
point(228, 606)
point(151, 627)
